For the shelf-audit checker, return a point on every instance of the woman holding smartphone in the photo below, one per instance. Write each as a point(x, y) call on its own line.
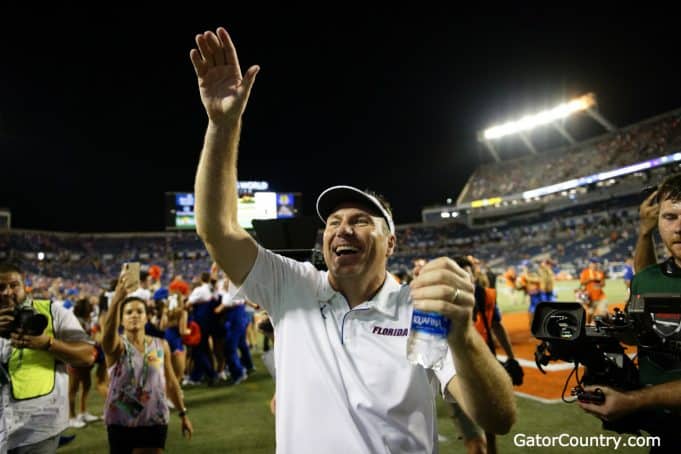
point(136, 412)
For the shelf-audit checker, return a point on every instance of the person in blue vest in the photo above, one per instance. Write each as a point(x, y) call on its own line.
point(37, 410)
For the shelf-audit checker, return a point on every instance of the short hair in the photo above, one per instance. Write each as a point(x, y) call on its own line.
point(384, 203)
point(205, 277)
point(128, 300)
point(82, 308)
point(144, 275)
point(9, 267)
point(670, 189)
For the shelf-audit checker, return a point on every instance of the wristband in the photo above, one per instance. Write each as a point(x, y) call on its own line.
point(182, 413)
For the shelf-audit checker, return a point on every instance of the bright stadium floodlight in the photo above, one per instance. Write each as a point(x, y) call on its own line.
point(542, 118)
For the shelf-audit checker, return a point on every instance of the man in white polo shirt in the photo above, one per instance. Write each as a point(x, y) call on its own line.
point(344, 384)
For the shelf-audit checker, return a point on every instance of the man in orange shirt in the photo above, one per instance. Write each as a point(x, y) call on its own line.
point(592, 280)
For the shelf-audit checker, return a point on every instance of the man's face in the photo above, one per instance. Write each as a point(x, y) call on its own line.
point(669, 225)
point(356, 242)
point(418, 264)
point(11, 289)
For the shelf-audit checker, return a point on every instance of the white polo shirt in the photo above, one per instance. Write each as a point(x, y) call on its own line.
point(344, 384)
point(201, 294)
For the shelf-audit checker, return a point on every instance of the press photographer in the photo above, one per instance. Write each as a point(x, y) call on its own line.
point(43, 337)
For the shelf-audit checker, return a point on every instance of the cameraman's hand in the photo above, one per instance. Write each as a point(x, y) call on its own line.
point(20, 340)
point(648, 213)
point(616, 405)
point(6, 319)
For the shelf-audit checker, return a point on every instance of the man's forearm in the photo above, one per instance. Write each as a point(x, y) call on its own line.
point(73, 353)
point(230, 246)
point(216, 182)
point(644, 254)
point(485, 388)
point(665, 395)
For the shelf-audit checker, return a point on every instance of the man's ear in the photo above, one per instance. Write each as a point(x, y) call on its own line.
point(392, 242)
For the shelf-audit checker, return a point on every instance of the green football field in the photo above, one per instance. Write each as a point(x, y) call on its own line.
point(237, 418)
point(615, 292)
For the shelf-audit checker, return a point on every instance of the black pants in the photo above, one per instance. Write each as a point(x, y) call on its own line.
point(122, 439)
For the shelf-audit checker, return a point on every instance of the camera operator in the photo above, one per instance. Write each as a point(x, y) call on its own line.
point(43, 337)
point(660, 375)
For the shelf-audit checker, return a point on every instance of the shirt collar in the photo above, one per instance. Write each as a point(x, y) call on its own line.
point(383, 301)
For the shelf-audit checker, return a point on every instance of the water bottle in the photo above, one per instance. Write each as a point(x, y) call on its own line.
point(427, 341)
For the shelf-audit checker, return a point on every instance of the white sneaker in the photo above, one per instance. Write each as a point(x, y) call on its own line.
point(243, 377)
point(222, 376)
point(190, 382)
point(88, 417)
point(76, 423)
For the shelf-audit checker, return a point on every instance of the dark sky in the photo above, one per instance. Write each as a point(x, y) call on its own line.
point(100, 114)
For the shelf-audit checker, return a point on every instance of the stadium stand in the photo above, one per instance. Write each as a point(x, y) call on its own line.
point(648, 139)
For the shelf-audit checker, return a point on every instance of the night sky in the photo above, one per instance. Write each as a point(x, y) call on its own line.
point(100, 113)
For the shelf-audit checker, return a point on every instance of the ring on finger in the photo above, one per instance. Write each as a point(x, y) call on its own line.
point(456, 295)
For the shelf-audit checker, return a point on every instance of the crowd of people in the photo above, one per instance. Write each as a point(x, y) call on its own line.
point(640, 142)
point(344, 381)
point(567, 236)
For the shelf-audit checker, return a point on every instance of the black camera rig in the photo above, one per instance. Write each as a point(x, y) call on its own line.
point(651, 322)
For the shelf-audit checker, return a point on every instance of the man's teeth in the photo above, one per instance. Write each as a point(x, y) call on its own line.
point(346, 250)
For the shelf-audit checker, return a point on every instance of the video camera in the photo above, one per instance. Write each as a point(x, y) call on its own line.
point(26, 318)
point(652, 322)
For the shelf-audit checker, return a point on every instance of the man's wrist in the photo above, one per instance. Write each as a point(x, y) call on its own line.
point(183, 412)
point(460, 333)
point(646, 233)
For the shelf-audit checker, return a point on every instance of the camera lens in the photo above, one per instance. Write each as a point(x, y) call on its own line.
point(561, 325)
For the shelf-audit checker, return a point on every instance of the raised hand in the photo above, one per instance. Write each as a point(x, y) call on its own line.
point(648, 212)
point(224, 90)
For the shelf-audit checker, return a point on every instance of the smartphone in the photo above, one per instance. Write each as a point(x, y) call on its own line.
point(131, 271)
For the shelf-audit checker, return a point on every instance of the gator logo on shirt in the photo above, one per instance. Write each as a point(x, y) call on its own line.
point(390, 331)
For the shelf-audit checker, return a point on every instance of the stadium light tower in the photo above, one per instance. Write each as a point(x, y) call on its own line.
point(523, 126)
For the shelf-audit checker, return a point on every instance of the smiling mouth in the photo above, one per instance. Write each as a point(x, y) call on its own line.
point(345, 250)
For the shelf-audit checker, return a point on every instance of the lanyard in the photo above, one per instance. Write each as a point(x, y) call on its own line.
point(145, 364)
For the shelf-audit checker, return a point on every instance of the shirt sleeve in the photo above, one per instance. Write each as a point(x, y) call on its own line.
point(278, 282)
point(66, 326)
point(199, 295)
